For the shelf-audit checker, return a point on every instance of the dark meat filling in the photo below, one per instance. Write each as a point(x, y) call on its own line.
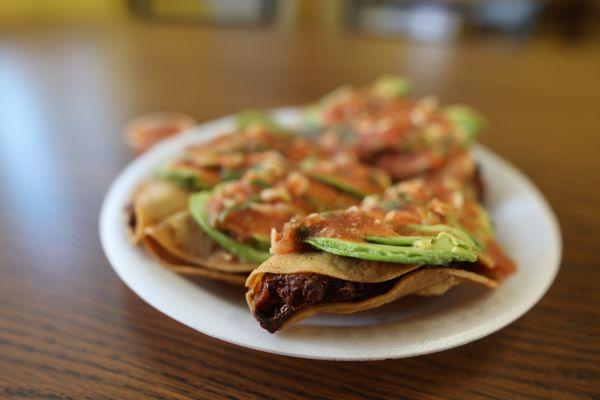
point(282, 295)
point(131, 217)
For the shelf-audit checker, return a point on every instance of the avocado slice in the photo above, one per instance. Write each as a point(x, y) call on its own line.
point(312, 118)
point(196, 179)
point(331, 180)
point(249, 117)
point(231, 174)
point(197, 207)
point(261, 242)
point(394, 240)
point(467, 121)
point(459, 232)
point(391, 86)
point(345, 186)
point(426, 250)
point(186, 178)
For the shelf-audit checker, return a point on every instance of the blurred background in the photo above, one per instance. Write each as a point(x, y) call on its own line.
point(72, 73)
point(126, 57)
point(107, 60)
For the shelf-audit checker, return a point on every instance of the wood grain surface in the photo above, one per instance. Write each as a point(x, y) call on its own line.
point(70, 329)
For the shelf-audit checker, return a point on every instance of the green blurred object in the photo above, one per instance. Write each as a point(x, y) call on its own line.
point(467, 121)
point(261, 117)
point(391, 86)
point(185, 178)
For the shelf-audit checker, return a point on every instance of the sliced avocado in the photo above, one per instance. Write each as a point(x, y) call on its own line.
point(427, 250)
point(249, 117)
point(332, 180)
point(391, 86)
point(261, 183)
point(467, 121)
point(231, 174)
point(261, 242)
point(186, 178)
point(459, 232)
point(312, 118)
point(196, 179)
point(394, 240)
point(197, 207)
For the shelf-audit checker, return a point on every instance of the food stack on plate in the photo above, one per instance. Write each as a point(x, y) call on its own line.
point(372, 197)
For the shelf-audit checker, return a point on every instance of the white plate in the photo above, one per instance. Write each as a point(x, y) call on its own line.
point(525, 226)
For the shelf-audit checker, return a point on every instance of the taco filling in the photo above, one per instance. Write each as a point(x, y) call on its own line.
point(282, 295)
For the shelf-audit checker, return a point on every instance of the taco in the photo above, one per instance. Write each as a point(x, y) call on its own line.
point(227, 230)
point(227, 157)
point(240, 215)
point(418, 238)
point(383, 127)
point(289, 288)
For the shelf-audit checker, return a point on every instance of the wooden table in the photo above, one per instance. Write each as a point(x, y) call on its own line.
point(70, 329)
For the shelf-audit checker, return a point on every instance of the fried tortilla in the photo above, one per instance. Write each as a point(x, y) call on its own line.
point(289, 288)
point(152, 202)
point(184, 247)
